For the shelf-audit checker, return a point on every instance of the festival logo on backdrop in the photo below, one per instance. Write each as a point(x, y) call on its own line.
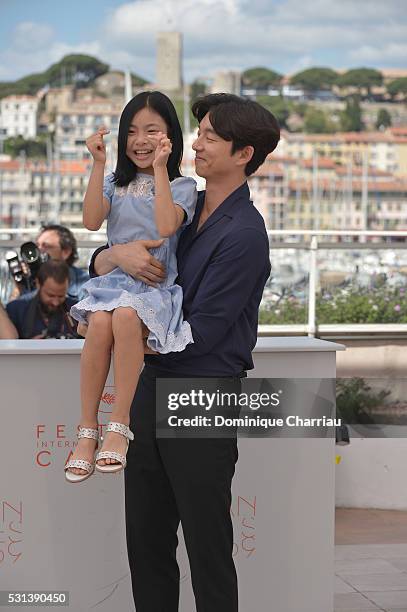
point(243, 513)
point(11, 531)
point(52, 440)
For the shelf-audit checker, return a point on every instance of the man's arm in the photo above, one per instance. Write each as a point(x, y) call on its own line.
point(7, 329)
point(229, 282)
point(133, 258)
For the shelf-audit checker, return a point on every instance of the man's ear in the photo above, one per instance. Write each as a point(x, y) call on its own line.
point(245, 155)
point(66, 253)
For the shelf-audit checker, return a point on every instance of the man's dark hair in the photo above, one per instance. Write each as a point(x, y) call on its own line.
point(66, 240)
point(241, 121)
point(55, 269)
point(158, 102)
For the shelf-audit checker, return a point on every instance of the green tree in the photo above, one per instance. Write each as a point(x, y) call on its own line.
point(355, 400)
point(30, 84)
point(314, 79)
point(398, 86)
point(78, 70)
point(179, 107)
point(278, 106)
point(300, 108)
point(26, 86)
point(362, 78)
point(260, 77)
point(383, 119)
point(317, 122)
point(75, 69)
point(351, 117)
point(198, 88)
point(137, 80)
point(33, 148)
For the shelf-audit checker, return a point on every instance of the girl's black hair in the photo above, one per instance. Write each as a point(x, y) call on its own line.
point(158, 102)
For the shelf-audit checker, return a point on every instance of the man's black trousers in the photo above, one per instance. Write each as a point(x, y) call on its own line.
point(173, 480)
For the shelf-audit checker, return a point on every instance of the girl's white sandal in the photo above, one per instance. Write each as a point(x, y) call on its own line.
point(114, 467)
point(84, 432)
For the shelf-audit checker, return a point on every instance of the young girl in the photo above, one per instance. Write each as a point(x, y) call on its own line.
point(145, 198)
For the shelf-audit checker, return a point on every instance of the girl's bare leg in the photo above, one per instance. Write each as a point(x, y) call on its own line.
point(128, 357)
point(95, 364)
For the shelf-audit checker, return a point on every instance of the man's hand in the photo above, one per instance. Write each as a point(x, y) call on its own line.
point(15, 293)
point(17, 289)
point(135, 259)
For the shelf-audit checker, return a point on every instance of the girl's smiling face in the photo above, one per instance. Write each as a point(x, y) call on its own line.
point(141, 139)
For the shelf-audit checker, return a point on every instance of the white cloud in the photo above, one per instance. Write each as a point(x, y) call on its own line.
point(391, 53)
point(29, 36)
point(34, 48)
point(287, 35)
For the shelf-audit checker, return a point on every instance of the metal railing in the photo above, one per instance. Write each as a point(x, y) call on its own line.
point(315, 243)
point(303, 240)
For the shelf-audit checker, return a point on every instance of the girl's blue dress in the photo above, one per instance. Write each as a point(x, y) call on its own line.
point(131, 217)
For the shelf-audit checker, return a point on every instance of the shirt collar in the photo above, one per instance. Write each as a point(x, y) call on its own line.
point(229, 205)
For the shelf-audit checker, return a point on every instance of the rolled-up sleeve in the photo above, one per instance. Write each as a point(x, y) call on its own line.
point(92, 272)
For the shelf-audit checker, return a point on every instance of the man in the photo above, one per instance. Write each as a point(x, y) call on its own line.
point(223, 265)
point(7, 329)
point(45, 313)
point(59, 243)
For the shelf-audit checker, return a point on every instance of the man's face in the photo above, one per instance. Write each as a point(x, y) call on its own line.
point(52, 295)
point(48, 242)
point(213, 155)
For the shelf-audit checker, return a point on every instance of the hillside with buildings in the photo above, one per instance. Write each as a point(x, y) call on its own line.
point(341, 162)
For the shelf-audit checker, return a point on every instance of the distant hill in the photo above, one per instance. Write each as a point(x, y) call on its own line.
point(79, 70)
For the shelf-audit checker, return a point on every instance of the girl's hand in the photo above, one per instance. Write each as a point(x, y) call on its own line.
point(96, 146)
point(162, 151)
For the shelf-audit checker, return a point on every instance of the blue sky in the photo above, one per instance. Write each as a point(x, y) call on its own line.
point(72, 21)
point(286, 35)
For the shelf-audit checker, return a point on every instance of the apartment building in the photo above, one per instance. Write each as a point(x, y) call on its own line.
point(75, 124)
point(35, 192)
point(269, 192)
point(318, 193)
point(18, 116)
point(385, 150)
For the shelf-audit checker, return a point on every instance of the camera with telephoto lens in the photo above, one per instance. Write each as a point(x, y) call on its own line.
point(25, 275)
point(61, 325)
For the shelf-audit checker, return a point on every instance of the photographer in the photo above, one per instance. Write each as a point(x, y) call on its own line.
point(58, 243)
point(45, 313)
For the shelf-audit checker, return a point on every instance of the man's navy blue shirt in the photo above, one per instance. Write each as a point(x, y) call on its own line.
point(18, 312)
point(222, 270)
